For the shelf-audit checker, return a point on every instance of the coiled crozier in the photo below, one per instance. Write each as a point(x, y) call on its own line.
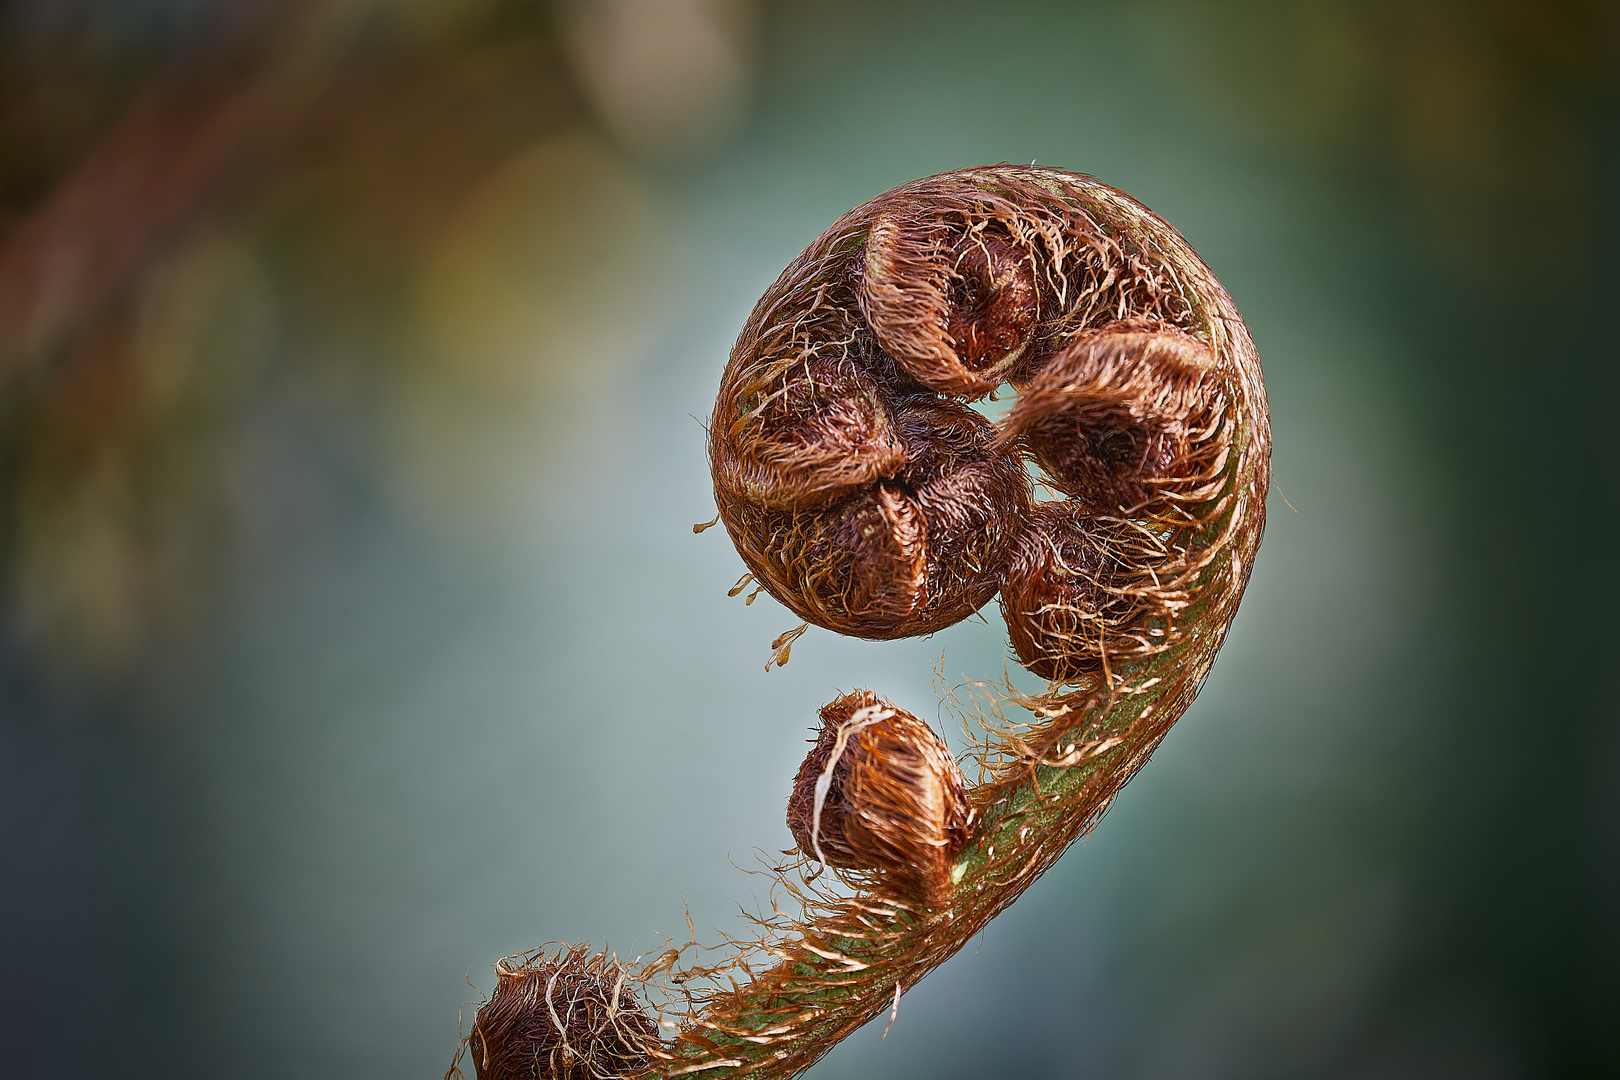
point(864, 491)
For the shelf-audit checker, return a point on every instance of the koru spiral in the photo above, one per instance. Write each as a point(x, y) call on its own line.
point(866, 494)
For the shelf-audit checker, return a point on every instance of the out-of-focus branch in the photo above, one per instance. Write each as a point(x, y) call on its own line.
point(61, 265)
point(174, 149)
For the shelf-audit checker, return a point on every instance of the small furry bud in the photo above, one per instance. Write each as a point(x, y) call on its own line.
point(561, 1016)
point(1121, 419)
point(880, 791)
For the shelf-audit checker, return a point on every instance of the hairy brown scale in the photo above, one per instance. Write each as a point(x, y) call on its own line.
point(560, 1015)
point(893, 801)
point(866, 495)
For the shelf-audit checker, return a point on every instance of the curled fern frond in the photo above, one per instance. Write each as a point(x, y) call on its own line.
point(866, 495)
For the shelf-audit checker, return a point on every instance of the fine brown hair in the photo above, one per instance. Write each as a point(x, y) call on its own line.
point(560, 1014)
point(880, 791)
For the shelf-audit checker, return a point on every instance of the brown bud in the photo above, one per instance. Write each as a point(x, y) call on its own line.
point(950, 295)
point(856, 567)
point(880, 791)
point(1060, 597)
point(910, 554)
point(974, 499)
point(1120, 417)
point(561, 1016)
point(807, 435)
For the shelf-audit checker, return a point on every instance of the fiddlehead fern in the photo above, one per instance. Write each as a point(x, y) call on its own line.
point(865, 495)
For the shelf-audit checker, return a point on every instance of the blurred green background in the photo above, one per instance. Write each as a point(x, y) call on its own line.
point(353, 632)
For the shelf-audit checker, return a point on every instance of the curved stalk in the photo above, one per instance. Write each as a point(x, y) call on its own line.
point(863, 496)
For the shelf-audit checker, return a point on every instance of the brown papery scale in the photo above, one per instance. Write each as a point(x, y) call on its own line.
point(880, 791)
point(866, 495)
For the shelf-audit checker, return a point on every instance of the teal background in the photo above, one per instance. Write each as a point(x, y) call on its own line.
point(354, 632)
